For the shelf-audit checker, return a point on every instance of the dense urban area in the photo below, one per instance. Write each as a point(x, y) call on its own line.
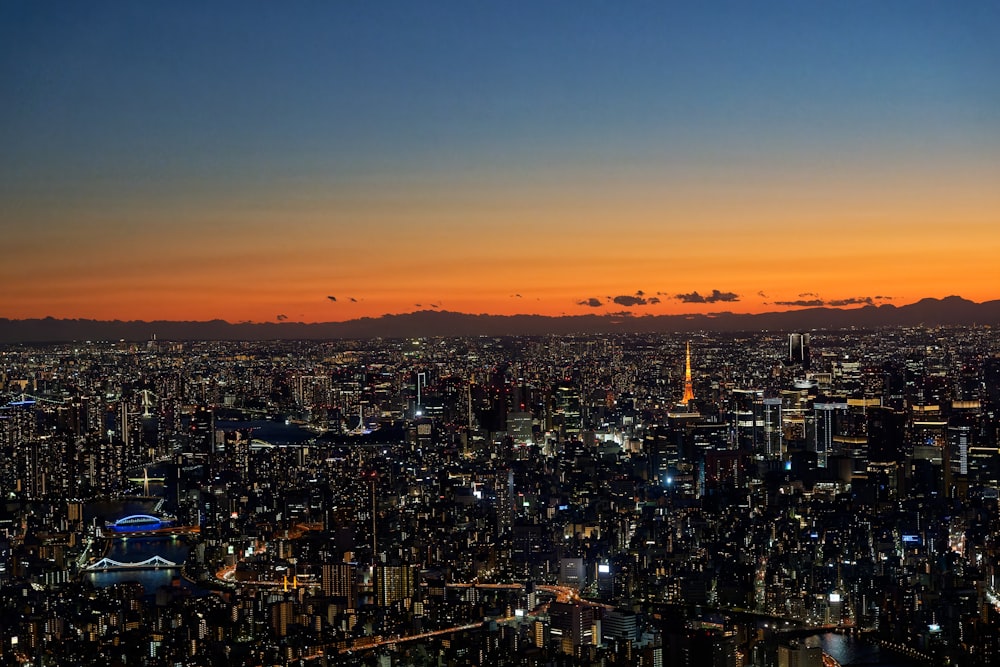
point(711, 500)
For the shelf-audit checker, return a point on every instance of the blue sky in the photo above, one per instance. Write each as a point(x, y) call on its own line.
point(204, 109)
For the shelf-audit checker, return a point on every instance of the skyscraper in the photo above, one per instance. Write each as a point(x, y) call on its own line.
point(340, 580)
point(825, 415)
point(773, 437)
point(394, 583)
point(798, 349)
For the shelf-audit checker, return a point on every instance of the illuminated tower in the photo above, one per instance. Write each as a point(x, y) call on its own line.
point(688, 386)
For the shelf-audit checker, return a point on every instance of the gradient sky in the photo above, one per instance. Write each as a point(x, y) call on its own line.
point(247, 160)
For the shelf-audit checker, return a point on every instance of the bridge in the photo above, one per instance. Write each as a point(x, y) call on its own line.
point(139, 522)
point(152, 563)
point(146, 479)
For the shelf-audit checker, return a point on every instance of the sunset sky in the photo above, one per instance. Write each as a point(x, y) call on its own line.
point(249, 160)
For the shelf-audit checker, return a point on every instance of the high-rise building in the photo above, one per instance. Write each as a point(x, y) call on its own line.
point(748, 418)
point(568, 410)
point(394, 583)
point(773, 434)
point(572, 573)
point(281, 617)
point(798, 349)
point(799, 654)
point(825, 415)
point(885, 435)
point(572, 625)
point(701, 647)
point(619, 624)
point(519, 427)
point(961, 429)
point(504, 492)
point(339, 581)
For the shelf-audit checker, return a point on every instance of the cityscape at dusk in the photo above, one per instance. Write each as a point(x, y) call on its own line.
point(246, 162)
point(727, 500)
point(545, 334)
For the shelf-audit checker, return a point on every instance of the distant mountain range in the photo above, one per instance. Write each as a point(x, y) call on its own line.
point(952, 310)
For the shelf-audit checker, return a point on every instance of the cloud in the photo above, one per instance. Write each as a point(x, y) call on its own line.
point(654, 299)
point(852, 301)
point(629, 300)
point(353, 300)
point(834, 303)
point(761, 294)
point(593, 302)
point(714, 297)
point(281, 318)
point(802, 303)
point(332, 298)
point(812, 294)
point(621, 313)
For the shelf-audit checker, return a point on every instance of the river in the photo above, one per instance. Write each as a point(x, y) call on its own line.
point(136, 549)
point(849, 650)
point(274, 432)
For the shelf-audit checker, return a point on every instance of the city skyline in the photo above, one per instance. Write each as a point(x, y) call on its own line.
point(578, 500)
point(327, 163)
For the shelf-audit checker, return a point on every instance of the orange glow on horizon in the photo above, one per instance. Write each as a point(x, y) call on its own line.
point(279, 257)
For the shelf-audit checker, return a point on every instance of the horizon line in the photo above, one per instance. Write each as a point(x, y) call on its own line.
point(624, 314)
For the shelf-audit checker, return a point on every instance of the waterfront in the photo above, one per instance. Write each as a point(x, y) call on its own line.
point(103, 511)
point(274, 432)
point(135, 549)
point(125, 549)
point(850, 650)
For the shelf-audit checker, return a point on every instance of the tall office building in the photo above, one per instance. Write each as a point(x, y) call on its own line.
point(572, 625)
point(621, 624)
point(961, 429)
point(885, 435)
point(798, 349)
point(773, 433)
point(825, 415)
point(749, 418)
point(519, 427)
